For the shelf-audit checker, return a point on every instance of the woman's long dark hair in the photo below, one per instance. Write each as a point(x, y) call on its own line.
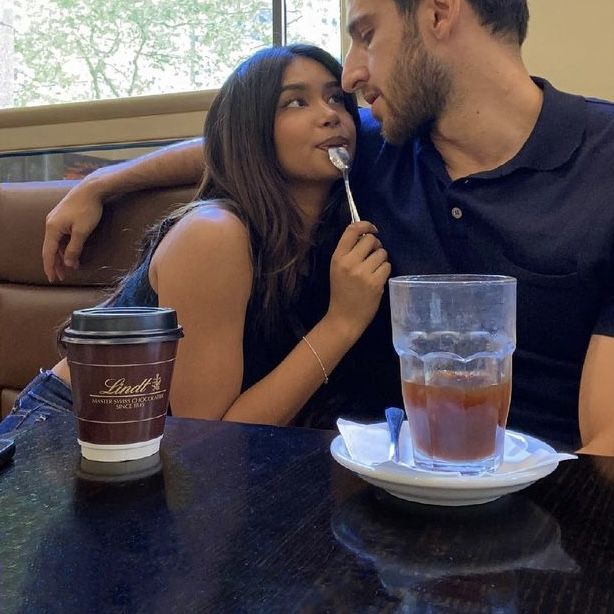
point(243, 175)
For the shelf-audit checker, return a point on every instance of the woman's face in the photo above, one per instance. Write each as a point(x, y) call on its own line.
point(310, 118)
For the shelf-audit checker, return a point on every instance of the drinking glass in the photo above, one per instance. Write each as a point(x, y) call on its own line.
point(455, 336)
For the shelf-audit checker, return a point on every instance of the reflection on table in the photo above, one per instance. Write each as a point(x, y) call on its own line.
point(418, 550)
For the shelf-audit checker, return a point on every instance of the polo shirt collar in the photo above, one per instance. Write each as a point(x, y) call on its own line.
point(557, 134)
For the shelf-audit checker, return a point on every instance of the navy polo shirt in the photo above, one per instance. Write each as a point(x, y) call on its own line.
point(545, 217)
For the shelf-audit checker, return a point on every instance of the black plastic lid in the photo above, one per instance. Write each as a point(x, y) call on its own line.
point(122, 322)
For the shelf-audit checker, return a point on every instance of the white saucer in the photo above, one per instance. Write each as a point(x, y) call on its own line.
point(451, 490)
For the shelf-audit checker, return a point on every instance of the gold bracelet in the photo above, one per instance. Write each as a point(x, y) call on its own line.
point(317, 358)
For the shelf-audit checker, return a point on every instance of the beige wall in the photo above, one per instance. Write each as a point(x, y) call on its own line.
point(571, 43)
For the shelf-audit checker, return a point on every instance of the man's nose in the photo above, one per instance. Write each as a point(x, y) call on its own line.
point(355, 72)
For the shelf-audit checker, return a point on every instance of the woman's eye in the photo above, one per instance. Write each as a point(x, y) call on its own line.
point(295, 102)
point(336, 99)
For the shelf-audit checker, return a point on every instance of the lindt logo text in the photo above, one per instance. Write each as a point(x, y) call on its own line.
point(119, 387)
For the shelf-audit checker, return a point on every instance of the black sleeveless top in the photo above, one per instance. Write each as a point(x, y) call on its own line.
point(352, 388)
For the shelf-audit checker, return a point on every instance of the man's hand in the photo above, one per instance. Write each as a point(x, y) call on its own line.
point(74, 218)
point(67, 227)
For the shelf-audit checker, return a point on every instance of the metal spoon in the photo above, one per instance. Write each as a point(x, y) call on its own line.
point(394, 418)
point(340, 157)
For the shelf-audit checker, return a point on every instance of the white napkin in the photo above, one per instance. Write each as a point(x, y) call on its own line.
point(369, 444)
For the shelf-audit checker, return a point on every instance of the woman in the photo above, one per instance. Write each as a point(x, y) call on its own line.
point(270, 290)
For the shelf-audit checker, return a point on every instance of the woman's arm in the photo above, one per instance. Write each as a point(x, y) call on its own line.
point(203, 270)
point(74, 218)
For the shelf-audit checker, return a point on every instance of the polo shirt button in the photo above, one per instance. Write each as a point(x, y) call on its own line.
point(457, 213)
point(466, 182)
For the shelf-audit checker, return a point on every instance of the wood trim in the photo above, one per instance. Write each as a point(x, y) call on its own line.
point(97, 110)
point(102, 132)
point(101, 122)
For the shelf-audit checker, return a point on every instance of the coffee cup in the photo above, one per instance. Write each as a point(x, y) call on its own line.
point(121, 363)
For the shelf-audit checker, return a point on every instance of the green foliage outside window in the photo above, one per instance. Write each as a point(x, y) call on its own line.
point(69, 50)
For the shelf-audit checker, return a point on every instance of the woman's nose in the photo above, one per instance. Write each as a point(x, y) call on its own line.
point(330, 115)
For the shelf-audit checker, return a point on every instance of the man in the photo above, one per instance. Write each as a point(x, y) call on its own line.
point(483, 170)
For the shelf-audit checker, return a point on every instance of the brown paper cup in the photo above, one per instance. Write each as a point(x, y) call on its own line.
point(121, 365)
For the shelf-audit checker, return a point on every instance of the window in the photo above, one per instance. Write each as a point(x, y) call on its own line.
point(84, 83)
point(59, 51)
point(316, 22)
point(70, 162)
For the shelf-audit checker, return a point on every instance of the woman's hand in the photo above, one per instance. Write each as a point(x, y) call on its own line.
point(358, 273)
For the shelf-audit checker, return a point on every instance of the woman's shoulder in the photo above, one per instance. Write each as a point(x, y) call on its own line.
point(208, 225)
point(212, 218)
point(209, 235)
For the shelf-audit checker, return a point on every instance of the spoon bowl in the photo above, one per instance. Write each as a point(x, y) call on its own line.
point(340, 159)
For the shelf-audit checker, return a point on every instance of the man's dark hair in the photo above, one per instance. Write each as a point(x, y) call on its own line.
point(505, 17)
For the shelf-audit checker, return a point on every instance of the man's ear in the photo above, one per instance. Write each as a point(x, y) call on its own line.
point(441, 17)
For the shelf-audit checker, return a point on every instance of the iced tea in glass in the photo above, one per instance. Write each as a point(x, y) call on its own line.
point(455, 336)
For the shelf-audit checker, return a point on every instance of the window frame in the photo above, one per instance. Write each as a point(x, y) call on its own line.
point(122, 120)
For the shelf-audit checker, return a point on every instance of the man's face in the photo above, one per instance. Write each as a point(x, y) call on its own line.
point(389, 64)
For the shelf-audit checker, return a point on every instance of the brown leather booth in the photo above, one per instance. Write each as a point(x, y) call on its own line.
point(30, 307)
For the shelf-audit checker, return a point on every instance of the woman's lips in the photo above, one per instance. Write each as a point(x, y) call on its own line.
point(334, 142)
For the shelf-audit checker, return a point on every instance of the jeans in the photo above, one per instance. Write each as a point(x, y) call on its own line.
point(43, 397)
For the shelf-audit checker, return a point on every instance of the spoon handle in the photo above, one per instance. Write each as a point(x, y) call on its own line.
point(353, 211)
point(394, 418)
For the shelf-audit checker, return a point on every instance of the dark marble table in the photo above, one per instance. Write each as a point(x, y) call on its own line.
point(258, 519)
